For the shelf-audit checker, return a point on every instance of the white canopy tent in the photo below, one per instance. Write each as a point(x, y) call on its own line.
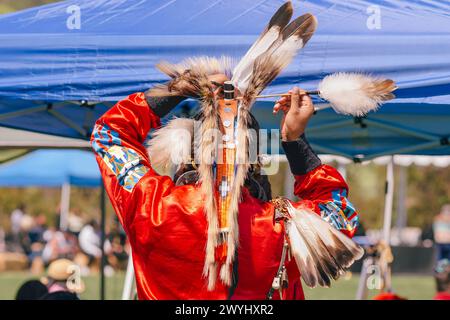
point(400, 160)
point(14, 138)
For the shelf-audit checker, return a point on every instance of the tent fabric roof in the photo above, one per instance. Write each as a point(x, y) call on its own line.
point(51, 168)
point(54, 70)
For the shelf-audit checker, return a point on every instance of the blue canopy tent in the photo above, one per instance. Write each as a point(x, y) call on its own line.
point(55, 169)
point(50, 169)
point(64, 64)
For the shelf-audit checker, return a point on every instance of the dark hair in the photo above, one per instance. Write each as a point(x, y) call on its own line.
point(442, 276)
point(93, 223)
point(60, 295)
point(31, 290)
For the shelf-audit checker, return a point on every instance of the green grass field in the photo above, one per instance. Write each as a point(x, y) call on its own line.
point(413, 287)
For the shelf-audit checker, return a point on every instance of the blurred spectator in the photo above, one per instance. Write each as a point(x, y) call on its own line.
point(75, 221)
point(90, 244)
point(442, 276)
point(26, 224)
point(37, 231)
point(441, 230)
point(2, 240)
point(38, 244)
point(427, 236)
point(36, 237)
point(59, 245)
point(89, 239)
point(16, 219)
point(31, 290)
point(118, 258)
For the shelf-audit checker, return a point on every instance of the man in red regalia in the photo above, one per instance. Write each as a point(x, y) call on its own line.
point(165, 220)
point(214, 231)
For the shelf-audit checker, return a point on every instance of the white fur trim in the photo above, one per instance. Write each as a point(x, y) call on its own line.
point(170, 146)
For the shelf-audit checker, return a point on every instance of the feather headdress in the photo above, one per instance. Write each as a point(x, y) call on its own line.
point(264, 68)
point(190, 78)
point(268, 56)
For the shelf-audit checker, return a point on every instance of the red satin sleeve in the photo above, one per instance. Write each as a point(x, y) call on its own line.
point(325, 191)
point(118, 140)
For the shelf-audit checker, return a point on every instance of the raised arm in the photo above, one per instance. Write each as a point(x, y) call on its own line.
point(118, 141)
point(319, 187)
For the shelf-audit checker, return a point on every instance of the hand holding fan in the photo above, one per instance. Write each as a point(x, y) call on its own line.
point(353, 94)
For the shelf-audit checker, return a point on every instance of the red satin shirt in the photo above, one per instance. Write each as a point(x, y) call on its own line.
point(166, 224)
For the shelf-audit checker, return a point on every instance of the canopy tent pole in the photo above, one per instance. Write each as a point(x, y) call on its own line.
point(23, 112)
point(389, 199)
point(68, 122)
point(102, 241)
point(342, 169)
point(127, 293)
point(402, 215)
point(387, 221)
point(64, 206)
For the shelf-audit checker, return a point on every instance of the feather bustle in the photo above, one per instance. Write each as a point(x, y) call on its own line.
point(190, 78)
point(300, 252)
point(339, 246)
point(321, 252)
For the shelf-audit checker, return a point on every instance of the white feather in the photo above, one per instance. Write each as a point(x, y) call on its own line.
point(321, 252)
point(170, 146)
point(327, 232)
point(271, 33)
point(244, 69)
point(347, 93)
point(302, 255)
point(317, 251)
point(280, 58)
point(280, 54)
point(288, 50)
